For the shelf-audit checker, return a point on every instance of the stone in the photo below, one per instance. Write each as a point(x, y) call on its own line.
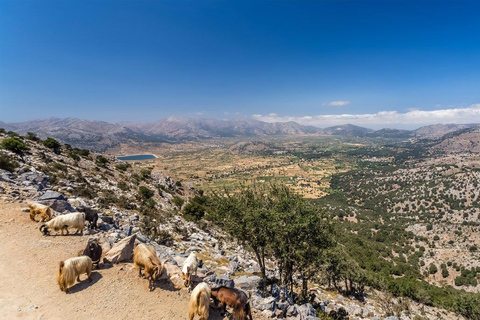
point(52, 195)
point(248, 282)
point(106, 219)
point(58, 205)
point(141, 237)
point(306, 310)
point(392, 318)
point(260, 303)
point(121, 251)
point(222, 281)
point(6, 176)
point(292, 311)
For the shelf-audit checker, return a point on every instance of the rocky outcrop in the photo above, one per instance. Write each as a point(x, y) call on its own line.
point(121, 251)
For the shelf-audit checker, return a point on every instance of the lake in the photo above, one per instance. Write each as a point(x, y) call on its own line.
point(137, 157)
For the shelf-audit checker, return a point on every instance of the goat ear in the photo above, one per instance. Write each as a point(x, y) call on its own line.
point(188, 269)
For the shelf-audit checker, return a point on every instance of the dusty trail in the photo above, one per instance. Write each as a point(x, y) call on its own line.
point(28, 288)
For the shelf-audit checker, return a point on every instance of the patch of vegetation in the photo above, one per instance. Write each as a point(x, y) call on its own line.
point(52, 144)
point(8, 162)
point(14, 145)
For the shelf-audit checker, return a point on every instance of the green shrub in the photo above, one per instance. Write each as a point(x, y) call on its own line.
point(432, 269)
point(7, 162)
point(178, 201)
point(14, 145)
point(52, 144)
point(145, 193)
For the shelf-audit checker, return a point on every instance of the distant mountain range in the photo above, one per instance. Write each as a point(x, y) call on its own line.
point(99, 135)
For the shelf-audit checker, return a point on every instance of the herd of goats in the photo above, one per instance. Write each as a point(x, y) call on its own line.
point(144, 258)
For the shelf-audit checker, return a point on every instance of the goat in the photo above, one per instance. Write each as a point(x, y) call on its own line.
point(90, 216)
point(71, 269)
point(93, 250)
point(235, 298)
point(199, 301)
point(44, 211)
point(189, 267)
point(145, 257)
point(65, 221)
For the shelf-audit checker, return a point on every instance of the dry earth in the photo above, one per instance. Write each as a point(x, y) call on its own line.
point(28, 288)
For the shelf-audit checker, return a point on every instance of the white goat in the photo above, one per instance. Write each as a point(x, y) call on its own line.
point(65, 221)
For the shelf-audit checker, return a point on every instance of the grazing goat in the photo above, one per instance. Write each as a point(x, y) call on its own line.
point(93, 250)
point(90, 216)
point(235, 298)
point(65, 221)
point(71, 269)
point(199, 302)
point(145, 257)
point(189, 267)
point(44, 211)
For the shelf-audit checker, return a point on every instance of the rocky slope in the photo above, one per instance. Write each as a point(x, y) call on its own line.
point(67, 180)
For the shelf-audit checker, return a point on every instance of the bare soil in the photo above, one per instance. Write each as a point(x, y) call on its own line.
point(28, 287)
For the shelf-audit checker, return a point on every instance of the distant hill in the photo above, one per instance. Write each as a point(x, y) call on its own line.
point(460, 141)
point(99, 135)
point(436, 131)
point(349, 130)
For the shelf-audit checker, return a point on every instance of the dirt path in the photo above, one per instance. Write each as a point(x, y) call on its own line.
point(28, 288)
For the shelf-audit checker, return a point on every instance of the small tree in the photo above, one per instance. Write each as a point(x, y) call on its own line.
point(14, 145)
point(432, 269)
point(52, 144)
point(145, 193)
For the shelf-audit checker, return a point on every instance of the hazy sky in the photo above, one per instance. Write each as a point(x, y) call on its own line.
point(372, 63)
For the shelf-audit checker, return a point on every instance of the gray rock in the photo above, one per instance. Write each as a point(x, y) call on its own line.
point(52, 195)
point(281, 293)
point(106, 219)
point(222, 281)
point(306, 310)
point(248, 283)
point(121, 251)
point(197, 249)
point(30, 178)
point(292, 311)
point(141, 237)
point(392, 318)
point(58, 205)
point(6, 176)
point(260, 303)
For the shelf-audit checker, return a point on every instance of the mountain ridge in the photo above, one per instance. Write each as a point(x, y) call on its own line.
point(101, 135)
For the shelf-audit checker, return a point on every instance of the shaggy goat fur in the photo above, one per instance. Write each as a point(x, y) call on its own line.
point(71, 269)
point(235, 298)
point(189, 267)
point(44, 211)
point(199, 302)
point(145, 257)
point(65, 221)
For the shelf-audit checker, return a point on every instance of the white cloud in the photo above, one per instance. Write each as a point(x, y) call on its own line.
point(385, 119)
point(339, 103)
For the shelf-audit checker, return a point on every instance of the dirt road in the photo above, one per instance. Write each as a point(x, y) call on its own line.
point(28, 288)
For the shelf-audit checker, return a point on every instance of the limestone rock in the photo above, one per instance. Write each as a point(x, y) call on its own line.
point(121, 251)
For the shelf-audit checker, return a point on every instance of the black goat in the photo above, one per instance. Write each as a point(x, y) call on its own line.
point(94, 251)
point(90, 216)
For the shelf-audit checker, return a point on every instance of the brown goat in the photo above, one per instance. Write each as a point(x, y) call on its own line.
point(145, 257)
point(44, 211)
point(235, 298)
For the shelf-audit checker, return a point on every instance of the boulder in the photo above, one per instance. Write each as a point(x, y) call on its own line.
point(52, 195)
point(218, 281)
point(292, 311)
point(260, 303)
point(36, 179)
point(121, 251)
point(248, 283)
point(6, 176)
point(58, 205)
point(306, 310)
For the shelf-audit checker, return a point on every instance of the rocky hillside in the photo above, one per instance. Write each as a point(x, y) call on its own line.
point(136, 204)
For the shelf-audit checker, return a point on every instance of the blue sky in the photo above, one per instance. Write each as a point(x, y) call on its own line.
point(372, 63)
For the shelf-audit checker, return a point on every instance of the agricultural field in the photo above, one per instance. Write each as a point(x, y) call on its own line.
point(304, 163)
